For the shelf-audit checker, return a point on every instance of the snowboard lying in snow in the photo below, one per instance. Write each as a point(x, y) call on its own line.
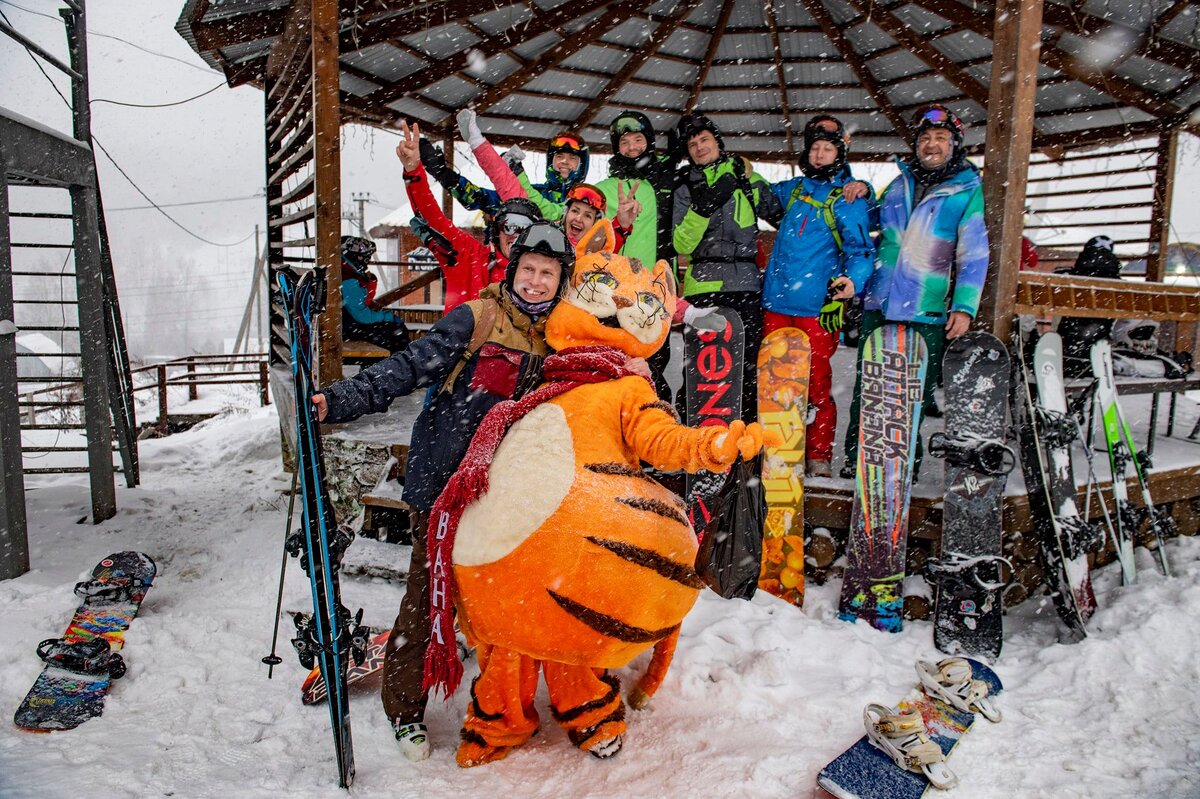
point(313, 690)
point(81, 666)
point(865, 771)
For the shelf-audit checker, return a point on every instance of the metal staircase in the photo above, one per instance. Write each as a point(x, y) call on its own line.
point(84, 322)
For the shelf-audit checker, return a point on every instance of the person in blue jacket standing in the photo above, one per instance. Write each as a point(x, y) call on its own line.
point(823, 255)
point(362, 320)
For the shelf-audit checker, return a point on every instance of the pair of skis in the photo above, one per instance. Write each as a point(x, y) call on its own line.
point(330, 636)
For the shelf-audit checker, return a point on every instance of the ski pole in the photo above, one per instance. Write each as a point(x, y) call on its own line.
point(272, 660)
point(1094, 486)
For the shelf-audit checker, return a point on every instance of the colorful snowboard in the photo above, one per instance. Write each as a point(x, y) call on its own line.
point(61, 699)
point(712, 377)
point(783, 366)
point(893, 372)
point(967, 613)
point(313, 689)
point(865, 772)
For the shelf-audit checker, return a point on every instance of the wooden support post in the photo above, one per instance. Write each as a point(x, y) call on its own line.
point(264, 394)
point(327, 123)
point(161, 374)
point(193, 391)
point(1160, 214)
point(1011, 95)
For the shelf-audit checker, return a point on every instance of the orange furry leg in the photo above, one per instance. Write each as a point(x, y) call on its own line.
point(587, 703)
point(501, 714)
point(656, 672)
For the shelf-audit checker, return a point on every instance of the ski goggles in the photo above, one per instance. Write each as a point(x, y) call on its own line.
point(628, 125)
point(587, 194)
point(566, 143)
point(546, 239)
point(939, 116)
point(512, 224)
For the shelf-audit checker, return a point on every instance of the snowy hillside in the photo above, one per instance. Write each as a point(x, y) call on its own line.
point(761, 696)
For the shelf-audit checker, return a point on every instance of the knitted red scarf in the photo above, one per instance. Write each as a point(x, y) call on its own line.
point(567, 369)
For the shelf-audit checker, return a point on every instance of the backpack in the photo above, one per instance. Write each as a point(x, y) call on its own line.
point(825, 209)
point(485, 312)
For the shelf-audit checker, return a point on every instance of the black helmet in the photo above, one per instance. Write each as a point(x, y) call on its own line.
point(937, 115)
point(817, 130)
point(692, 124)
point(1097, 259)
point(517, 213)
point(543, 238)
point(566, 142)
point(630, 122)
point(357, 251)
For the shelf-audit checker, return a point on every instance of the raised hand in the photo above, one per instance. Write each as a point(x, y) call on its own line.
point(409, 148)
point(469, 127)
point(628, 207)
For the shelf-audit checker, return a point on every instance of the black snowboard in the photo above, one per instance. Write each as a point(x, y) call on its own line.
point(969, 574)
point(712, 376)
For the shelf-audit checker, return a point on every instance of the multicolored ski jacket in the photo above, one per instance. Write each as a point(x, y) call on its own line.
point(807, 255)
point(929, 253)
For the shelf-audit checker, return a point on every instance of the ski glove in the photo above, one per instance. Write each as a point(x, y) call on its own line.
point(436, 166)
point(513, 156)
point(833, 312)
point(469, 127)
point(704, 319)
point(743, 439)
point(707, 199)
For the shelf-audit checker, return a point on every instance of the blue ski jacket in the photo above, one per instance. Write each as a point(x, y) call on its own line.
point(807, 255)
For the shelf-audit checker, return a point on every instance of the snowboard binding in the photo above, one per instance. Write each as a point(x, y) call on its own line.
point(1081, 537)
point(951, 681)
point(980, 455)
point(902, 737)
point(987, 571)
point(94, 657)
point(353, 637)
point(115, 590)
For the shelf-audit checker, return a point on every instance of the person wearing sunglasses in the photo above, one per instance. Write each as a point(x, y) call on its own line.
point(823, 256)
point(566, 164)
point(933, 251)
point(481, 353)
point(469, 265)
point(716, 207)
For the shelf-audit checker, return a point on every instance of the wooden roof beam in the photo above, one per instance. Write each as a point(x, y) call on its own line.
point(859, 66)
point(780, 78)
point(710, 52)
point(1146, 44)
point(920, 47)
point(615, 15)
point(1054, 58)
point(493, 45)
point(636, 61)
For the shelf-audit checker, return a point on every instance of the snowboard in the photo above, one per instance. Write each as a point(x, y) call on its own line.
point(712, 377)
point(893, 371)
point(313, 690)
point(865, 772)
point(66, 694)
point(1050, 530)
point(1122, 453)
point(1059, 431)
point(783, 366)
point(330, 636)
point(967, 615)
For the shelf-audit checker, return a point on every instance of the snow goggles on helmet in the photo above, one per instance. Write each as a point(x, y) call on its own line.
point(565, 142)
point(544, 238)
point(513, 223)
point(628, 125)
point(938, 116)
point(587, 194)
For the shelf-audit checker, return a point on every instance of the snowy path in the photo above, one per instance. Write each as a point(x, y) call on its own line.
point(760, 697)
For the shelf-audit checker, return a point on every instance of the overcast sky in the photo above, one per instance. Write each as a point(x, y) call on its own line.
point(209, 151)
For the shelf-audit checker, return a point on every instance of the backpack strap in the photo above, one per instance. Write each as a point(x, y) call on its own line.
point(485, 311)
point(825, 209)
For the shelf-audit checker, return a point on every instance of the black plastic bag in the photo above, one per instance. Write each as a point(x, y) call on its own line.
point(730, 556)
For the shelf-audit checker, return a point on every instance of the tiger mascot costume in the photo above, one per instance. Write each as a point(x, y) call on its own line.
point(560, 553)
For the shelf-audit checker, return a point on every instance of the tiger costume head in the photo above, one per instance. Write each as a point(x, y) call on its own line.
point(613, 300)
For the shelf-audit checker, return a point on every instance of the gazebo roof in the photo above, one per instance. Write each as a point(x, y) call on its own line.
point(1109, 68)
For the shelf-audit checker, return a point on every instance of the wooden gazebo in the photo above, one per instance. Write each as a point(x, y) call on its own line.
point(1053, 76)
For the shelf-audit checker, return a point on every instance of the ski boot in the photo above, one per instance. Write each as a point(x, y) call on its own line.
point(413, 740)
point(950, 681)
point(902, 737)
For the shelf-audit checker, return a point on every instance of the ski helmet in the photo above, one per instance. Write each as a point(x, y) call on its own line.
point(693, 124)
point(931, 116)
point(621, 166)
point(543, 238)
point(1097, 259)
point(817, 129)
point(513, 216)
point(357, 251)
point(589, 195)
point(567, 142)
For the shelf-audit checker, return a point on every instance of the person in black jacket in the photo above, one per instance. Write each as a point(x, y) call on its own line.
point(470, 372)
point(1079, 333)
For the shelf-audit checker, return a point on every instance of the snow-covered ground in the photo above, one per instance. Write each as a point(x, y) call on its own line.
point(760, 697)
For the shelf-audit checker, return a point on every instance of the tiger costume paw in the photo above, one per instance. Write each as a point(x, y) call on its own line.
point(475, 753)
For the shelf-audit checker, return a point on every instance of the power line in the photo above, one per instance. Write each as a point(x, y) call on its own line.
point(160, 105)
point(258, 196)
